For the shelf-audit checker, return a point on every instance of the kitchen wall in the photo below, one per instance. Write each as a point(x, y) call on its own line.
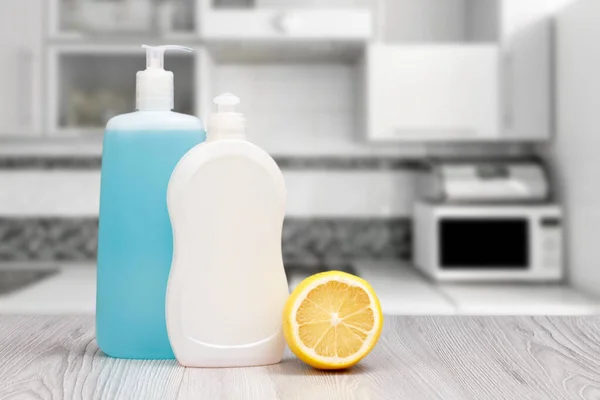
point(574, 152)
point(326, 193)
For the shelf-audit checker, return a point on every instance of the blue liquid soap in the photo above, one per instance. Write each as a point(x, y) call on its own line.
point(135, 242)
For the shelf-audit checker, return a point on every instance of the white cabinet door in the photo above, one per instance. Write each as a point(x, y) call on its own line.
point(432, 92)
point(21, 30)
point(526, 39)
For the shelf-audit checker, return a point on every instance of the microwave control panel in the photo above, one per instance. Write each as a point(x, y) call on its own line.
point(551, 242)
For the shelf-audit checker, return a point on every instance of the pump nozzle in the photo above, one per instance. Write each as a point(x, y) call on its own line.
point(155, 55)
point(154, 88)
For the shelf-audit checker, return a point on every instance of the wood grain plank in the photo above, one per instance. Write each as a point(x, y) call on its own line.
point(227, 383)
point(488, 357)
point(296, 380)
point(57, 358)
point(417, 358)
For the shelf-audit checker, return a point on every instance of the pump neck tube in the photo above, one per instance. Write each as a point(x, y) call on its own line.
point(226, 126)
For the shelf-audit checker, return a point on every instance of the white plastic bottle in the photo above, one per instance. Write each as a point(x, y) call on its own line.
point(227, 286)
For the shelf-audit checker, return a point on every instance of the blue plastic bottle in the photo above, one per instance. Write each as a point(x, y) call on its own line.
point(135, 242)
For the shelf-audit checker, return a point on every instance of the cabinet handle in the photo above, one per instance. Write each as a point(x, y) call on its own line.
point(508, 91)
point(24, 85)
point(282, 22)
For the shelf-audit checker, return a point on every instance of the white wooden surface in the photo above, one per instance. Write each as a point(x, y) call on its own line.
point(416, 358)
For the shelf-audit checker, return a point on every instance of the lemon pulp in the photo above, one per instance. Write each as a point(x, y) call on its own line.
point(332, 320)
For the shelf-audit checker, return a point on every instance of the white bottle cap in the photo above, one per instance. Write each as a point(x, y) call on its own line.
point(226, 123)
point(154, 86)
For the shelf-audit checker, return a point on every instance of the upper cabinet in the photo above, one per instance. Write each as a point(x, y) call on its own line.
point(526, 43)
point(267, 20)
point(289, 31)
point(461, 70)
point(88, 85)
point(83, 19)
point(21, 66)
point(423, 93)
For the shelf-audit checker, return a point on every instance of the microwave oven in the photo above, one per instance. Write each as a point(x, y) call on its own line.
point(492, 242)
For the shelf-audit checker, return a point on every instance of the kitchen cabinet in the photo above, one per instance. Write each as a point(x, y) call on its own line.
point(483, 73)
point(272, 24)
point(526, 42)
point(290, 31)
point(88, 85)
point(76, 20)
point(433, 92)
point(20, 66)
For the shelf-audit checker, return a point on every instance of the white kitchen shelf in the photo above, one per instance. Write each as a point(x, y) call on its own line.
point(285, 52)
point(286, 25)
point(88, 85)
point(75, 38)
point(288, 35)
point(84, 19)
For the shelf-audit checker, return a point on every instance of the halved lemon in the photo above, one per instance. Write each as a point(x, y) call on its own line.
point(332, 320)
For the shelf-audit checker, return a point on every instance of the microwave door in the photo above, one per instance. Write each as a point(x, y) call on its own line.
point(484, 244)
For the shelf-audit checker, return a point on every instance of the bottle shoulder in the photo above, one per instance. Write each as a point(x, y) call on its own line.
point(154, 120)
point(202, 154)
point(208, 150)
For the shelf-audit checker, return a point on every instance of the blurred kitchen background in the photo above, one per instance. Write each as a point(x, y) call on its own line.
point(448, 151)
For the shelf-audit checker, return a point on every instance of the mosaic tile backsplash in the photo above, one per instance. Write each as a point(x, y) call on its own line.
point(305, 241)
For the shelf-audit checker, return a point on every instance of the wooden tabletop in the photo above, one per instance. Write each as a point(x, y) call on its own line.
point(416, 358)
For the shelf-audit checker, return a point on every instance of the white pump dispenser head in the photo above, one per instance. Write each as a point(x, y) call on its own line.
point(154, 86)
point(226, 123)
